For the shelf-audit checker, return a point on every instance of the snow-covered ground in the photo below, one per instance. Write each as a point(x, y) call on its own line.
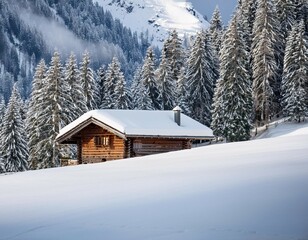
point(158, 17)
point(250, 190)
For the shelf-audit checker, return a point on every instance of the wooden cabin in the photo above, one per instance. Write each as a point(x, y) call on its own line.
point(103, 135)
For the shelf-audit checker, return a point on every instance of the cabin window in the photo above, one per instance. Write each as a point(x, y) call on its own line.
point(102, 141)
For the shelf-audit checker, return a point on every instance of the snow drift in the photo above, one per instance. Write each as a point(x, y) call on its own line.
point(249, 190)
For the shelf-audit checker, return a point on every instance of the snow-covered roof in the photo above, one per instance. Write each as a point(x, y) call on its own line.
point(140, 123)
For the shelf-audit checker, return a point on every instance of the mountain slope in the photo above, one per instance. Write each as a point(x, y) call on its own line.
point(31, 30)
point(157, 17)
point(244, 191)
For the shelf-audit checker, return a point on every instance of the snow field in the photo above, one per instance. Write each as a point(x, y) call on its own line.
point(248, 190)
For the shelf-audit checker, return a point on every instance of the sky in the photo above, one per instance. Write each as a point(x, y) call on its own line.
point(206, 7)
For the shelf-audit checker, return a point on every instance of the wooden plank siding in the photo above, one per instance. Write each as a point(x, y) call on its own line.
point(119, 148)
point(91, 153)
point(148, 146)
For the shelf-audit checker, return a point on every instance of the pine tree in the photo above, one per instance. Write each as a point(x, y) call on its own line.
point(88, 83)
point(148, 79)
point(286, 15)
point(201, 75)
point(233, 100)
point(2, 169)
point(246, 14)
point(110, 82)
point(143, 101)
point(54, 113)
point(265, 65)
point(295, 75)
point(218, 113)
point(23, 104)
point(101, 81)
point(174, 54)
point(216, 29)
point(301, 12)
point(14, 149)
point(296, 107)
point(2, 109)
point(34, 133)
point(121, 98)
point(2, 112)
point(136, 88)
point(114, 77)
point(182, 93)
point(166, 83)
point(72, 77)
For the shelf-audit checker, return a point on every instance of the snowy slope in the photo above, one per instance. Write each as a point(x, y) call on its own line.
point(157, 16)
point(249, 190)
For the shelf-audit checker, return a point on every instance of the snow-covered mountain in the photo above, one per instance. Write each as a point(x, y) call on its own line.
point(158, 17)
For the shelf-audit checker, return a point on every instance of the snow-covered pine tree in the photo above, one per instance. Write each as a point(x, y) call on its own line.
point(2, 109)
point(265, 66)
point(2, 169)
point(113, 76)
point(23, 104)
point(149, 81)
point(301, 12)
point(136, 88)
point(218, 114)
point(2, 112)
point(88, 83)
point(246, 14)
point(304, 15)
point(295, 74)
point(233, 98)
point(216, 29)
point(201, 75)
point(296, 107)
point(101, 81)
point(72, 77)
point(181, 99)
point(34, 133)
point(286, 15)
point(143, 101)
point(166, 82)
point(174, 54)
point(121, 97)
point(54, 113)
point(290, 61)
point(14, 149)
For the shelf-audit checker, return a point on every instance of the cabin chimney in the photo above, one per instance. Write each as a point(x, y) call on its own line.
point(177, 115)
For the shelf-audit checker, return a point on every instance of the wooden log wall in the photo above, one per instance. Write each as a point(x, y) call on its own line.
point(118, 148)
point(148, 146)
point(91, 153)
